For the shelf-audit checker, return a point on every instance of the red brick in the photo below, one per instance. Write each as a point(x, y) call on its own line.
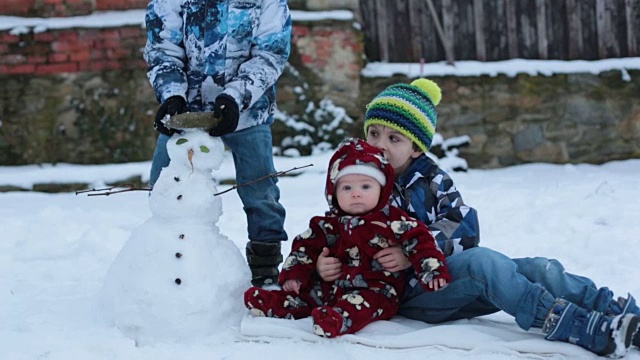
point(17, 7)
point(44, 36)
point(34, 59)
point(132, 31)
point(4, 48)
point(68, 35)
point(107, 44)
point(58, 57)
point(56, 68)
point(7, 38)
point(63, 46)
point(89, 35)
point(97, 54)
point(21, 69)
point(80, 56)
point(300, 31)
point(110, 34)
point(52, 2)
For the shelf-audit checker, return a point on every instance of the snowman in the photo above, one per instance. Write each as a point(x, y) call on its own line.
point(177, 277)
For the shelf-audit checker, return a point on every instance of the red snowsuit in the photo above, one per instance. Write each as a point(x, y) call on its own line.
point(365, 292)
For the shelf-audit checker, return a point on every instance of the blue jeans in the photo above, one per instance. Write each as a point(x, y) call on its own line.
point(484, 281)
point(253, 158)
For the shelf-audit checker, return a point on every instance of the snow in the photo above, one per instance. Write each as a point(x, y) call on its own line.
point(57, 249)
point(99, 19)
point(509, 68)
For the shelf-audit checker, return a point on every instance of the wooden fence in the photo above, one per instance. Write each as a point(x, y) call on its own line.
point(489, 30)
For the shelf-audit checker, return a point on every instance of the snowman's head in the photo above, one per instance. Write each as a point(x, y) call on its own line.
point(196, 149)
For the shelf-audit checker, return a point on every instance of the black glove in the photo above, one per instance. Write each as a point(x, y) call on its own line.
point(172, 106)
point(225, 108)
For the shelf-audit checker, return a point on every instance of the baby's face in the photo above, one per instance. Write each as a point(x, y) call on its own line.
point(357, 194)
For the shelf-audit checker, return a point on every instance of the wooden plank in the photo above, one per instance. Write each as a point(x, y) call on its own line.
point(541, 29)
point(448, 17)
point(527, 43)
point(433, 49)
point(512, 29)
point(370, 30)
point(399, 36)
point(465, 33)
point(615, 19)
point(448, 49)
point(601, 28)
point(478, 21)
point(557, 30)
point(589, 30)
point(383, 28)
point(632, 27)
point(414, 8)
point(574, 36)
point(495, 30)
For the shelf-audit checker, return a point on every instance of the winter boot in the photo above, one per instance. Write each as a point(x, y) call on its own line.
point(264, 258)
point(626, 306)
point(594, 331)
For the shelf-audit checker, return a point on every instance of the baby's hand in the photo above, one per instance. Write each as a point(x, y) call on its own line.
point(437, 284)
point(292, 285)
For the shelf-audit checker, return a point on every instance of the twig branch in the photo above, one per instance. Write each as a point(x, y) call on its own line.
point(108, 191)
point(280, 173)
point(128, 187)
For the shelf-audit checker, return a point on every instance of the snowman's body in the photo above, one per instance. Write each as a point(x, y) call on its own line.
point(177, 277)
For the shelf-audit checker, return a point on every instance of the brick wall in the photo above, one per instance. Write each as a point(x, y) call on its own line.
point(72, 50)
point(62, 8)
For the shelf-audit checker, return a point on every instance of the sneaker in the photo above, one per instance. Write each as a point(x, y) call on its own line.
point(604, 335)
point(264, 259)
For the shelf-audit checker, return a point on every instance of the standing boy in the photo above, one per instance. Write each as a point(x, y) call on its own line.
point(224, 57)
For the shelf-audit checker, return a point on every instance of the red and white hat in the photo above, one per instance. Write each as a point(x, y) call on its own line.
point(355, 156)
point(368, 170)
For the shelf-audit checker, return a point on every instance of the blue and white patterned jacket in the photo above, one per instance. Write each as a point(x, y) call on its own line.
point(427, 193)
point(198, 49)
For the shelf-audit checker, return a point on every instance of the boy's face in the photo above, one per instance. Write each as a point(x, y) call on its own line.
point(397, 148)
point(357, 194)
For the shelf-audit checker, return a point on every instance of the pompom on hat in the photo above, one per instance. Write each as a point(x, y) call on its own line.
point(409, 109)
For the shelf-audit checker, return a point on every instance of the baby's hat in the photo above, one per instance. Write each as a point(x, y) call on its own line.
point(356, 156)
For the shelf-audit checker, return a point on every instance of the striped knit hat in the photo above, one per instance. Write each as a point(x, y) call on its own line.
point(407, 108)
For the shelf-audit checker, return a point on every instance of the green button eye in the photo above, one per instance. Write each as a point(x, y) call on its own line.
point(181, 141)
point(204, 149)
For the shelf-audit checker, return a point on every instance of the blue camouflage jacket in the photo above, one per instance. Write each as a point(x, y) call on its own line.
point(198, 49)
point(427, 193)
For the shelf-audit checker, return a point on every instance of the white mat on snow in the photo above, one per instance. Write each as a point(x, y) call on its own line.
point(489, 334)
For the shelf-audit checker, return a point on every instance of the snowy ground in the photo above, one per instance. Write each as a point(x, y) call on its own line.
point(56, 249)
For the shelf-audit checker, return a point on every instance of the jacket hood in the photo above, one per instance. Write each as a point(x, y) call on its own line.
point(357, 152)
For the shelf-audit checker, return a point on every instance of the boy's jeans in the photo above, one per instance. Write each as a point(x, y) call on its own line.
point(253, 159)
point(485, 281)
